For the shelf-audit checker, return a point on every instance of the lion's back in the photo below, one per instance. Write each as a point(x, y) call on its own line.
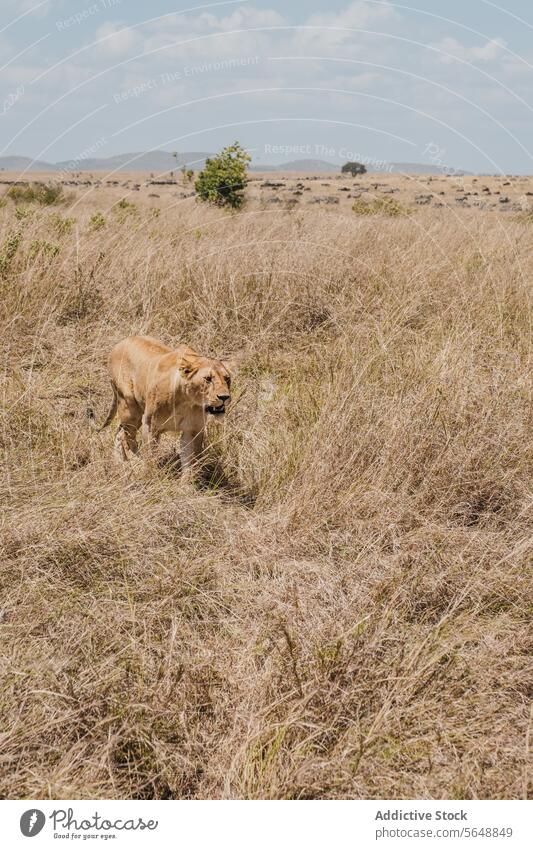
point(131, 360)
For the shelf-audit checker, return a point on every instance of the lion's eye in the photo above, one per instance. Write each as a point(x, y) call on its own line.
point(208, 379)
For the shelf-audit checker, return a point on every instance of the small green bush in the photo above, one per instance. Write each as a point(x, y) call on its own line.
point(224, 177)
point(61, 226)
point(124, 208)
point(20, 193)
point(40, 247)
point(97, 221)
point(22, 214)
point(47, 194)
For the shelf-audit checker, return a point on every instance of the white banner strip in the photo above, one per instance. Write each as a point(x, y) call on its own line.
point(272, 825)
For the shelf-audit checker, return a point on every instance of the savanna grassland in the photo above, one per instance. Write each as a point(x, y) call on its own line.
point(340, 605)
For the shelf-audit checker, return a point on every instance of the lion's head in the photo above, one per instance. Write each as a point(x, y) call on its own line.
point(208, 383)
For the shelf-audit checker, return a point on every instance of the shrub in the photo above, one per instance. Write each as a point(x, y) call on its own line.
point(97, 221)
point(22, 214)
point(21, 193)
point(384, 206)
point(9, 249)
point(224, 177)
point(61, 226)
point(353, 168)
point(84, 301)
point(46, 194)
point(40, 247)
point(124, 209)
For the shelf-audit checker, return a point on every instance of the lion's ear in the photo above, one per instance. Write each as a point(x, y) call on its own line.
point(187, 366)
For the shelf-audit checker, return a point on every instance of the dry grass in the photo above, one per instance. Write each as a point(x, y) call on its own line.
point(341, 607)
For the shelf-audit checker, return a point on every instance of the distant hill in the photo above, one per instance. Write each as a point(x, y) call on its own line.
point(321, 166)
point(22, 163)
point(313, 165)
point(423, 168)
point(161, 161)
point(153, 160)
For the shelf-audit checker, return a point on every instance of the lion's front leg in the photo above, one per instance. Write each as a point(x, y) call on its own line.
point(150, 435)
point(192, 445)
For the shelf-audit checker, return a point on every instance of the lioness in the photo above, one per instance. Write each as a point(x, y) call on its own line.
point(164, 390)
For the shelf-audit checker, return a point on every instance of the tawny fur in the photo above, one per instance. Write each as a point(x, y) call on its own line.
point(159, 389)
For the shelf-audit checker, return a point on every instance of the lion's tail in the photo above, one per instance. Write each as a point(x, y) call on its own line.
point(111, 414)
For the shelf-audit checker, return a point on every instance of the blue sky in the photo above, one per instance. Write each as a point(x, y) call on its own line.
point(442, 82)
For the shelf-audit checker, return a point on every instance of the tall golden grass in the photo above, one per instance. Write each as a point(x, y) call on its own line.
point(340, 606)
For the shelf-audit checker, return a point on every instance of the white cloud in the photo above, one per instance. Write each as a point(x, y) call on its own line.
point(248, 28)
point(357, 14)
point(337, 27)
point(116, 40)
point(487, 52)
point(245, 17)
point(207, 37)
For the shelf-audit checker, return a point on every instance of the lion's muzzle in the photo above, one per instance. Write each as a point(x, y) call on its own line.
point(216, 411)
